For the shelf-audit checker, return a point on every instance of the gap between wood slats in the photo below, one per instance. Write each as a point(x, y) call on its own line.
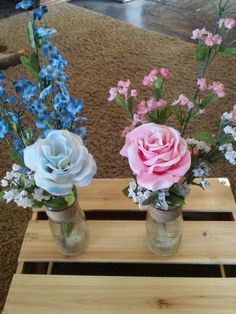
point(141, 215)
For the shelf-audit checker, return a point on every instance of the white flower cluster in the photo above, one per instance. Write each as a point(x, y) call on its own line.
point(198, 144)
point(18, 184)
point(229, 153)
point(227, 116)
point(230, 130)
point(201, 171)
point(20, 198)
point(138, 193)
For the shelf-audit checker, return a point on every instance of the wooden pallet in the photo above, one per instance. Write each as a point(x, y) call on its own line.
point(118, 273)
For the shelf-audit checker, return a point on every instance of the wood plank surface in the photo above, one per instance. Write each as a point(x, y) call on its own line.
point(41, 294)
point(107, 194)
point(204, 242)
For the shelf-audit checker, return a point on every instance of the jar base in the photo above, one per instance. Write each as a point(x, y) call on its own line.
point(164, 251)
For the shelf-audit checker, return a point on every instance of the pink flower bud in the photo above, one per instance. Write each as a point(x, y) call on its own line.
point(113, 93)
point(229, 23)
point(165, 72)
point(201, 82)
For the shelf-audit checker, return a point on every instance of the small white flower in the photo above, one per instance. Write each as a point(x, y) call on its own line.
point(227, 116)
point(4, 183)
point(231, 157)
point(9, 175)
point(16, 167)
point(205, 184)
point(38, 195)
point(230, 130)
point(10, 195)
point(133, 186)
point(198, 172)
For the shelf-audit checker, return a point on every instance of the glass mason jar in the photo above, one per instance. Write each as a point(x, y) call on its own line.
point(164, 230)
point(69, 229)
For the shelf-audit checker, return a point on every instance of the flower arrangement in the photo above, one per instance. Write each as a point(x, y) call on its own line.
point(49, 156)
point(163, 161)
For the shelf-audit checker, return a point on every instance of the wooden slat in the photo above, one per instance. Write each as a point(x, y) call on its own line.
point(40, 294)
point(107, 194)
point(204, 242)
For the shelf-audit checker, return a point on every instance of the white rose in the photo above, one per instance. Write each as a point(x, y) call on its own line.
point(60, 161)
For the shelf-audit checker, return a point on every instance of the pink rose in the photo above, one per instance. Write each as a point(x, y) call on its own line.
point(157, 155)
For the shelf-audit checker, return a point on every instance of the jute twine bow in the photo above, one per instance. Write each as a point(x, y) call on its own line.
point(163, 216)
point(63, 215)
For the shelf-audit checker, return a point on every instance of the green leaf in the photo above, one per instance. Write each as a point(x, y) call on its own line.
point(35, 62)
point(130, 105)
point(126, 191)
point(37, 204)
point(201, 52)
point(121, 102)
point(228, 51)
point(214, 5)
point(57, 203)
point(225, 139)
point(30, 33)
point(1, 195)
point(151, 199)
point(208, 101)
point(205, 137)
point(158, 90)
point(26, 62)
point(70, 198)
point(16, 158)
point(175, 200)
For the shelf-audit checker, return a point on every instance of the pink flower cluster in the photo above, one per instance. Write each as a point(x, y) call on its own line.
point(183, 101)
point(151, 78)
point(142, 109)
point(122, 89)
point(217, 87)
point(228, 23)
point(209, 39)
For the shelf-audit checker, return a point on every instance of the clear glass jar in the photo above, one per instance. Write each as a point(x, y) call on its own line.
point(164, 230)
point(69, 229)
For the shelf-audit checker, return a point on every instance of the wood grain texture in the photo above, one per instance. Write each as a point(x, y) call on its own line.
point(204, 242)
point(107, 194)
point(40, 294)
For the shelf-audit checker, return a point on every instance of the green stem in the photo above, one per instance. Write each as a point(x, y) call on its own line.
point(207, 62)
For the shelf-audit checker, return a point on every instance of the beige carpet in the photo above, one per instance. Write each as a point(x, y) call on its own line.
point(101, 51)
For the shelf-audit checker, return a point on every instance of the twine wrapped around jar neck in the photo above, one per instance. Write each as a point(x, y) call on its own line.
point(62, 215)
point(163, 216)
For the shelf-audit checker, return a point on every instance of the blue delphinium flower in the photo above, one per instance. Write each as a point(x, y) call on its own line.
point(75, 106)
point(46, 91)
point(4, 128)
point(2, 89)
point(39, 12)
point(19, 84)
point(38, 108)
point(14, 117)
point(49, 50)
point(29, 91)
point(18, 145)
point(2, 76)
point(43, 32)
point(10, 100)
point(25, 4)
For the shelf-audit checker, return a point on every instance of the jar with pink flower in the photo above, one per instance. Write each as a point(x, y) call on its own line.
point(163, 160)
